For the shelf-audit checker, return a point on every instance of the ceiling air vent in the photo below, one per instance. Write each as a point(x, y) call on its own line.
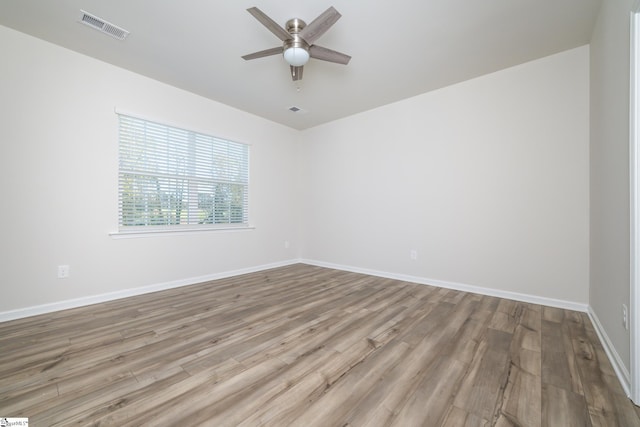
point(103, 26)
point(297, 110)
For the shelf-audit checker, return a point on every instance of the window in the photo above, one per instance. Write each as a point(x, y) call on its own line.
point(172, 178)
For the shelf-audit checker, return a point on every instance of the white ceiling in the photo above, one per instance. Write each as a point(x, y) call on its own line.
point(399, 48)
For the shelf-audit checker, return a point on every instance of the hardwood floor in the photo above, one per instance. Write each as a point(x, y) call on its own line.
point(309, 346)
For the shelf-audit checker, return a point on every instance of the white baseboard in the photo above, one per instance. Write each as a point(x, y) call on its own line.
point(95, 299)
point(612, 354)
point(532, 299)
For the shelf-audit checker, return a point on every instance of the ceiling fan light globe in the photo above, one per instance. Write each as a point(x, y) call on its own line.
point(296, 56)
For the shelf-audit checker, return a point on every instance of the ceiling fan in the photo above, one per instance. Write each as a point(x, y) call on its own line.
point(298, 40)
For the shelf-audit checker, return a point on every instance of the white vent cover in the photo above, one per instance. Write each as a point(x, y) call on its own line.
point(102, 25)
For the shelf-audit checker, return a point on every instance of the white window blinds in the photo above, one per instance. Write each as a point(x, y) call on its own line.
point(175, 178)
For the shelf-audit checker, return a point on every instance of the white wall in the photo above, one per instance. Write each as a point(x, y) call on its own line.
point(609, 230)
point(59, 169)
point(487, 180)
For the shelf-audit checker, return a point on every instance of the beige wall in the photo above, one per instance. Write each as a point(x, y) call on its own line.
point(59, 168)
point(609, 172)
point(487, 180)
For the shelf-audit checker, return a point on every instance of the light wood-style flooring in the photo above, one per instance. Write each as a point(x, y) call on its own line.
point(309, 346)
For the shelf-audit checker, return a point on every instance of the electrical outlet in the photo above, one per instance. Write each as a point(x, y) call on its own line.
point(63, 271)
point(286, 244)
point(625, 317)
point(413, 254)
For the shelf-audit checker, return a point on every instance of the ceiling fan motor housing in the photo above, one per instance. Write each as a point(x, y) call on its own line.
point(294, 26)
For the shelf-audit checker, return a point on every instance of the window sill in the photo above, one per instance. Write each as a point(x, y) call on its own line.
point(136, 234)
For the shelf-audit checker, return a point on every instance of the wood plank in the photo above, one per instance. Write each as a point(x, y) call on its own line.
point(341, 397)
point(484, 383)
point(563, 408)
point(429, 403)
point(522, 400)
point(459, 418)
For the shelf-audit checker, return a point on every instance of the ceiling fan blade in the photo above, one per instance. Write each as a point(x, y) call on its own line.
point(263, 53)
point(324, 54)
point(296, 73)
point(271, 25)
point(320, 25)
